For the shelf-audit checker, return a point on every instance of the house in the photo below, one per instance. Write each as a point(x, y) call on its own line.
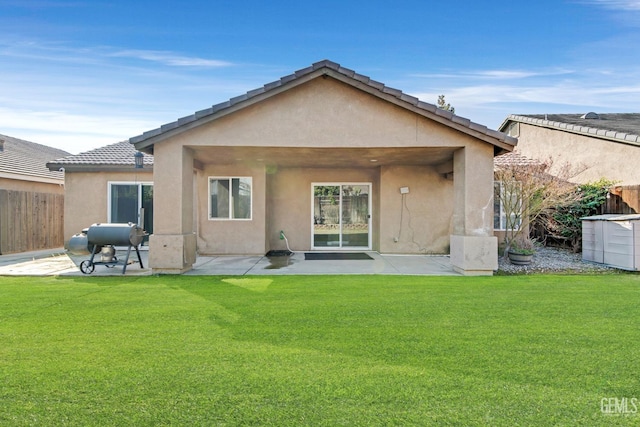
point(327, 158)
point(598, 145)
point(31, 197)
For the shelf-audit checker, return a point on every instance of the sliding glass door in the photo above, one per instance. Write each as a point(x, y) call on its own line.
point(341, 216)
point(131, 202)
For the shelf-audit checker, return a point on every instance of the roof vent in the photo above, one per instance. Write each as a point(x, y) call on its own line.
point(590, 115)
point(1, 145)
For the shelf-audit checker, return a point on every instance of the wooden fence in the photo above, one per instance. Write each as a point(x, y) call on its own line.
point(30, 221)
point(623, 200)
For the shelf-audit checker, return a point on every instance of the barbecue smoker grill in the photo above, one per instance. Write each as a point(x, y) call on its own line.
point(101, 239)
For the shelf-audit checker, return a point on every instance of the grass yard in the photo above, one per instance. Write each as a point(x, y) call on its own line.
point(320, 350)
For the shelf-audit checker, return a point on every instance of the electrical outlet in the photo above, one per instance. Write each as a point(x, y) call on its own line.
point(404, 190)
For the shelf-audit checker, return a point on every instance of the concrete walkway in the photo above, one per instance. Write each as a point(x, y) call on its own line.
point(58, 262)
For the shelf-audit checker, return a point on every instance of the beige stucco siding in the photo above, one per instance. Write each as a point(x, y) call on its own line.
point(86, 200)
point(289, 201)
point(323, 113)
point(591, 157)
point(420, 221)
point(285, 203)
point(232, 236)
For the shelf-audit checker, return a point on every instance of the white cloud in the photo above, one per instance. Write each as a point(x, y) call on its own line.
point(628, 5)
point(171, 59)
point(497, 74)
point(71, 132)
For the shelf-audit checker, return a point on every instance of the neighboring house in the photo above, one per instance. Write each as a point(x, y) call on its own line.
point(595, 145)
point(333, 159)
point(31, 197)
point(103, 185)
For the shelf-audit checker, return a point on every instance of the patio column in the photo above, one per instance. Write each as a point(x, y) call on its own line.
point(172, 247)
point(474, 248)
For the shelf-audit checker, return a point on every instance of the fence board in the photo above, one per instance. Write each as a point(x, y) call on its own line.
point(623, 200)
point(30, 221)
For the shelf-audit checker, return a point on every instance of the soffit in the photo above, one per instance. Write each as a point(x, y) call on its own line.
point(324, 157)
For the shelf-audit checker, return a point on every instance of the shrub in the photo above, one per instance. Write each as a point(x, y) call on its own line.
point(564, 222)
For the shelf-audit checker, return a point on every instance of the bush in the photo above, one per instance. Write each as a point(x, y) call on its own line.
point(565, 222)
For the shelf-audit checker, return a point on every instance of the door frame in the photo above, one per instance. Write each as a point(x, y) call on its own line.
point(140, 184)
point(340, 247)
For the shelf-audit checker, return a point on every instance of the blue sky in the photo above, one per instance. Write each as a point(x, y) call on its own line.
point(78, 74)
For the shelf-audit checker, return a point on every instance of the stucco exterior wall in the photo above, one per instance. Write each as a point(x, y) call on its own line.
point(289, 202)
point(426, 211)
point(86, 197)
point(37, 187)
point(420, 221)
point(232, 236)
point(594, 158)
point(322, 113)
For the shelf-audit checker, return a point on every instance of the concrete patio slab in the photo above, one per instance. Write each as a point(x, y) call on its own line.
point(58, 262)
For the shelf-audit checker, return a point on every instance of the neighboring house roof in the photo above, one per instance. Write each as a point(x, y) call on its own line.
point(114, 157)
point(618, 127)
point(513, 159)
point(26, 161)
point(501, 141)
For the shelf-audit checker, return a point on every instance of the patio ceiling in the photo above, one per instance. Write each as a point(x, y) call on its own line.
point(324, 157)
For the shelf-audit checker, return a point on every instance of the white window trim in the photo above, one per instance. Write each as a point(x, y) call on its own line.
point(230, 199)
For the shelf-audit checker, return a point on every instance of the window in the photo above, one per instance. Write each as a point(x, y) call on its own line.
point(499, 214)
point(513, 129)
point(230, 198)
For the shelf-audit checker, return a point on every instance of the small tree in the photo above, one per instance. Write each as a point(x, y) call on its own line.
point(444, 105)
point(528, 191)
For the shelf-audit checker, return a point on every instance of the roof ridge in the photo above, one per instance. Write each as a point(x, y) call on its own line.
point(431, 110)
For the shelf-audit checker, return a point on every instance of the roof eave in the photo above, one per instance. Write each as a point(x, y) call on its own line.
point(97, 168)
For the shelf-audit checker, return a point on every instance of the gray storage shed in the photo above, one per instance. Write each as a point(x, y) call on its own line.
point(613, 240)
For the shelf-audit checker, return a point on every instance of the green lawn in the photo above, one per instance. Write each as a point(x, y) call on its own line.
point(319, 350)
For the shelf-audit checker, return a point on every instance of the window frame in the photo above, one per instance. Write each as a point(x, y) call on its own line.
point(503, 216)
point(230, 180)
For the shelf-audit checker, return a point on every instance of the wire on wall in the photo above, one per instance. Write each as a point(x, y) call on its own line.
point(404, 206)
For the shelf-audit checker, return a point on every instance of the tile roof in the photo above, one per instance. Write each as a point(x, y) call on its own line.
point(332, 69)
point(20, 158)
point(513, 159)
point(620, 127)
point(114, 156)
